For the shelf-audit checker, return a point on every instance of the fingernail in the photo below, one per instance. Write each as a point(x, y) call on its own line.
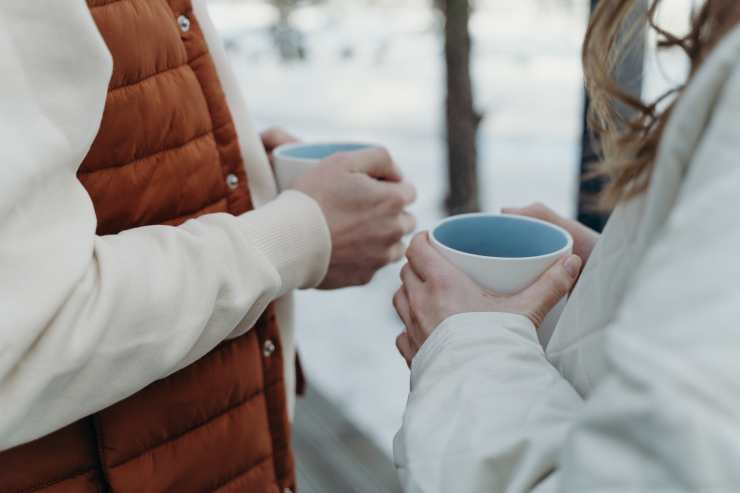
point(573, 266)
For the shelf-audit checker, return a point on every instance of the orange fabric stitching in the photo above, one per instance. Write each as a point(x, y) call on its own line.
point(243, 473)
point(57, 481)
point(157, 153)
point(172, 438)
point(113, 90)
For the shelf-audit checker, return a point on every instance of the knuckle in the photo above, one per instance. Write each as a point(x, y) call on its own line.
point(396, 231)
point(396, 201)
point(415, 245)
point(411, 223)
point(397, 299)
point(392, 256)
point(366, 277)
point(540, 210)
point(413, 302)
point(411, 249)
point(559, 287)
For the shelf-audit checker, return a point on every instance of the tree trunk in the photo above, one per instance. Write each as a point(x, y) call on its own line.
point(629, 76)
point(462, 119)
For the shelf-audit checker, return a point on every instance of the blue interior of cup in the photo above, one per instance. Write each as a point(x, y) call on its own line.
point(320, 151)
point(500, 236)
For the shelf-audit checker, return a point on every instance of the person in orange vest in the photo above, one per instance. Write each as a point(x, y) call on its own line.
point(147, 260)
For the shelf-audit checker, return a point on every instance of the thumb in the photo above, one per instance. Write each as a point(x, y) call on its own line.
point(375, 162)
point(275, 137)
point(555, 284)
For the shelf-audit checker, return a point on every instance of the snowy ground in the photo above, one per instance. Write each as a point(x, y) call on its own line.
point(374, 72)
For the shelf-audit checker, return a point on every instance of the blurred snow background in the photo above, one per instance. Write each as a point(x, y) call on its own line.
point(372, 70)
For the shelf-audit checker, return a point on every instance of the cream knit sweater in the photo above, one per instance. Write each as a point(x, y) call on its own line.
point(85, 320)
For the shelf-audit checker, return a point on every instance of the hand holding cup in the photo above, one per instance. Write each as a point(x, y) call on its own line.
point(364, 199)
point(484, 263)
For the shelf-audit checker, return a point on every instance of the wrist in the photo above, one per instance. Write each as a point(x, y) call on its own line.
point(291, 232)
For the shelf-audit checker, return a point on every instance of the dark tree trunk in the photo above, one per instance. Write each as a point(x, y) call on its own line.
point(462, 119)
point(630, 77)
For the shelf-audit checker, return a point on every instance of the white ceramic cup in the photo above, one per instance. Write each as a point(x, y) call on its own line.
point(504, 253)
point(291, 161)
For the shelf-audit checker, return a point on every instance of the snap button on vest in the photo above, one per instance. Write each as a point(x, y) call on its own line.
point(268, 348)
point(166, 146)
point(184, 23)
point(232, 181)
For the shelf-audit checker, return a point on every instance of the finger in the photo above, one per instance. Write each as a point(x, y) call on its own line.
point(551, 287)
point(401, 304)
point(403, 343)
point(411, 282)
point(408, 222)
point(536, 210)
point(584, 238)
point(275, 137)
point(392, 198)
point(426, 261)
point(396, 228)
point(375, 162)
point(397, 252)
point(403, 191)
point(412, 288)
point(396, 195)
point(403, 307)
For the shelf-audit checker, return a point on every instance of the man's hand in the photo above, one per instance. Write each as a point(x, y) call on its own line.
point(363, 197)
point(584, 238)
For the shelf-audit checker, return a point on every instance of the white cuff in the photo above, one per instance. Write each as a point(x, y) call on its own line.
point(291, 232)
point(473, 329)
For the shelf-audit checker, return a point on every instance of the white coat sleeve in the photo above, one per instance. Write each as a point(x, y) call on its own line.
point(87, 320)
point(486, 412)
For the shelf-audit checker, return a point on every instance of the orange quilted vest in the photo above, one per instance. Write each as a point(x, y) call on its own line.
point(167, 151)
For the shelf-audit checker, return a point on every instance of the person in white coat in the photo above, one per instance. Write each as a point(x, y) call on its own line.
point(639, 387)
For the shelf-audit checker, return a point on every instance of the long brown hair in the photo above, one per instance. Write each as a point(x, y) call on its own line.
point(629, 147)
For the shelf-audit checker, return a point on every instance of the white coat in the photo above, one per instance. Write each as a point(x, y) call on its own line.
point(639, 388)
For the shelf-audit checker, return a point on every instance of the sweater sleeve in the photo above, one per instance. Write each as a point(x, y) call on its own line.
point(87, 320)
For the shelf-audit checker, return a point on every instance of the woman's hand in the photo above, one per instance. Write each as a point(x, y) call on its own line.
point(433, 290)
point(584, 238)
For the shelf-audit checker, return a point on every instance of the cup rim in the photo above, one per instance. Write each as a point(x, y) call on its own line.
point(280, 150)
point(558, 253)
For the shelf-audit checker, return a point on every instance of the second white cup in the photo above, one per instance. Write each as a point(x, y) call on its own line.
point(504, 253)
point(291, 161)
